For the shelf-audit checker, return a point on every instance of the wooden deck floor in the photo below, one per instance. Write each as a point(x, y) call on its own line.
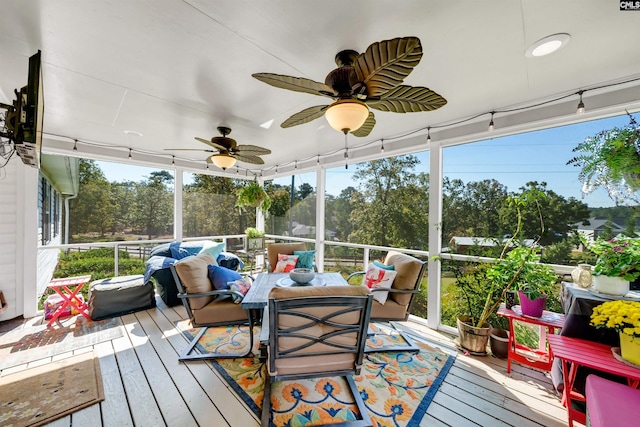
point(145, 385)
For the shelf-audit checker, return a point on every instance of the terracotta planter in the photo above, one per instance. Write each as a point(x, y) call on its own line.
point(532, 308)
point(473, 339)
point(630, 348)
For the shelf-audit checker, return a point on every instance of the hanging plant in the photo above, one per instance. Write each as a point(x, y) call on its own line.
point(253, 195)
point(611, 160)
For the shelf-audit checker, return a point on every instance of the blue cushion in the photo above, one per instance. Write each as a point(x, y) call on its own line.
point(213, 248)
point(305, 259)
point(181, 250)
point(219, 277)
point(384, 266)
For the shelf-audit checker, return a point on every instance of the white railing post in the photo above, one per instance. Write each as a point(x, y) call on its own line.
point(116, 256)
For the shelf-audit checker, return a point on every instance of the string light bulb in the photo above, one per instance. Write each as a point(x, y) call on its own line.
point(382, 145)
point(295, 165)
point(75, 145)
point(129, 153)
point(580, 109)
point(491, 126)
point(173, 160)
point(429, 135)
point(318, 161)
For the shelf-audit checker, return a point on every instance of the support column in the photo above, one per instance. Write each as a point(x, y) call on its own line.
point(434, 301)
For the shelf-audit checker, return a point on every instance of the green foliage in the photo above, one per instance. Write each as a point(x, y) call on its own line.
point(610, 159)
point(253, 195)
point(617, 257)
point(558, 253)
point(99, 263)
point(253, 232)
point(520, 270)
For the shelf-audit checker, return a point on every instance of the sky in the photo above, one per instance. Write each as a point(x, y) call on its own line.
point(512, 160)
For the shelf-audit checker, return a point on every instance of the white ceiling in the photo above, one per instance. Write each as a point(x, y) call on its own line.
point(173, 70)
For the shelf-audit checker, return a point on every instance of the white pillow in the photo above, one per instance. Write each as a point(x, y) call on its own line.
point(377, 277)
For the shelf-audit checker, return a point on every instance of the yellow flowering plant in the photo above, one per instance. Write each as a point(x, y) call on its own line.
point(623, 316)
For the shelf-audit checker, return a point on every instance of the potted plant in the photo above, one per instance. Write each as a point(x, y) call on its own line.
point(611, 160)
point(521, 271)
point(617, 263)
point(253, 195)
point(254, 239)
point(473, 327)
point(624, 317)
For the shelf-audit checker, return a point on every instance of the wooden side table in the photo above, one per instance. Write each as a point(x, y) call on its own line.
point(540, 358)
point(68, 289)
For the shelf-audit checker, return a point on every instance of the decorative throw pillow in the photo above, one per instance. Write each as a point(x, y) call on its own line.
point(377, 277)
point(241, 285)
point(220, 276)
point(213, 248)
point(229, 260)
point(286, 263)
point(381, 265)
point(305, 259)
point(193, 275)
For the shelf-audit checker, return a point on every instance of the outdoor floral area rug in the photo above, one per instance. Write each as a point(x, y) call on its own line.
point(397, 387)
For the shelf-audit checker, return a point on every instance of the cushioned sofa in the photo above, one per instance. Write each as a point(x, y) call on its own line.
point(163, 256)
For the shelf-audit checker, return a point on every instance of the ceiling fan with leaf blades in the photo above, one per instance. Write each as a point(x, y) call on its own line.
point(372, 79)
point(227, 151)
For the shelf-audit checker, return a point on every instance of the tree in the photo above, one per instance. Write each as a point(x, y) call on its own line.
point(154, 204)
point(630, 227)
point(92, 211)
point(386, 213)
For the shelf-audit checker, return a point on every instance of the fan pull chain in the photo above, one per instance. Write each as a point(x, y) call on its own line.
point(346, 152)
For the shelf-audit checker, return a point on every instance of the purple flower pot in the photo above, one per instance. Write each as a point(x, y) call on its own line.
point(532, 308)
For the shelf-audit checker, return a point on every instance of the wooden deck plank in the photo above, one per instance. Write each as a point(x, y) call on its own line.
point(114, 408)
point(199, 404)
point(168, 398)
point(442, 410)
point(142, 403)
point(224, 398)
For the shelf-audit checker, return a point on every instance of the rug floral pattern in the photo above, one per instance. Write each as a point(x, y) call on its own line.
point(396, 387)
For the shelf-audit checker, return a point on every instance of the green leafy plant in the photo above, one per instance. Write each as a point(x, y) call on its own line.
point(520, 270)
point(253, 195)
point(611, 159)
point(506, 272)
point(253, 233)
point(617, 257)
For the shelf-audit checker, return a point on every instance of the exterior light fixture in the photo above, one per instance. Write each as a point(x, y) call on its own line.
point(580, 109)
point(547, 45)
point(222, 160)
point(347, 115)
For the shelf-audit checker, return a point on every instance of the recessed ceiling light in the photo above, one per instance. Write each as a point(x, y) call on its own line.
point(267, 125)
point(132, 132)
point(547, 45)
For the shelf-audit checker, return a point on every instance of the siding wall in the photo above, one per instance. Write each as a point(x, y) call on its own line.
point(8, 239)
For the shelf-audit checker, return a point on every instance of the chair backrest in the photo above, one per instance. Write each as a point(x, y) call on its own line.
point(409, 274)
point(282, 248)
point(317, 331)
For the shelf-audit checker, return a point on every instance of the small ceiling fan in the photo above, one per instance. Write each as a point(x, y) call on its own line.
point(227, 151)
point(372, 79)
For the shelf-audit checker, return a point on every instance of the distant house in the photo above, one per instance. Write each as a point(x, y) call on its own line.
point(460, 244)
point(595, 228)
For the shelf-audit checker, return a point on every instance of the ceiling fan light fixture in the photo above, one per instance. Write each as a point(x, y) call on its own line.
point(222, 160)
point(347, 115)
point(547, 45)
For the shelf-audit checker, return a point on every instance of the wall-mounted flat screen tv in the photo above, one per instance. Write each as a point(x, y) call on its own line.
point(28, 139)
